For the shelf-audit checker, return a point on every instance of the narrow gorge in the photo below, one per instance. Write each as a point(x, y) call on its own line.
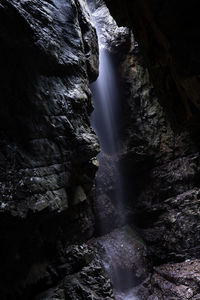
point(99, 150)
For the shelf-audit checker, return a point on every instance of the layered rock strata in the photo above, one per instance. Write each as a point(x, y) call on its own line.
point(48, 56)
point(161, 156)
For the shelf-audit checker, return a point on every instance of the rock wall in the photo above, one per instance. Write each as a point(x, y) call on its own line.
point(161, 165)
point(161, 146)
point(48, 56)
point(169, 39)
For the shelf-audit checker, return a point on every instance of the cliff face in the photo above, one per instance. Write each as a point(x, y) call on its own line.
point(161, 153)
point(161, 165)
point(48, 56)
point(169, 39)
point(45, 113)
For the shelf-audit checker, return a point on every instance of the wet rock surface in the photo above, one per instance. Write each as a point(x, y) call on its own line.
point(175, 233)
point(160, 158)
point(84, 276)
point(45, 115)
point(161, 164)
point(105, 206)
point(172, 281)
point(115, 39)
point(163, 30)
point(48, 56)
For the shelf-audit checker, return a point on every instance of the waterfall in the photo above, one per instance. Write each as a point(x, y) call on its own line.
point(106, 121)
point(106, 95)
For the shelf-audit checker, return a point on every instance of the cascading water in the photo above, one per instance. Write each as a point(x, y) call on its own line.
point(106, 95)
point(106, 120)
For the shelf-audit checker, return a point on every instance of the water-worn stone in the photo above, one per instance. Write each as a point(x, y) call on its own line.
point(48, 56)
point(160, 158)
point(115, 39)
point(51, 111)
point(86, 277)
point(175, 233)
point(161, 164)
point(163, 30)
point(172, 282)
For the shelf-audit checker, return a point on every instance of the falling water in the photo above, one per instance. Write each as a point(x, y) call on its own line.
point(106, 95)
point(106, 120)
